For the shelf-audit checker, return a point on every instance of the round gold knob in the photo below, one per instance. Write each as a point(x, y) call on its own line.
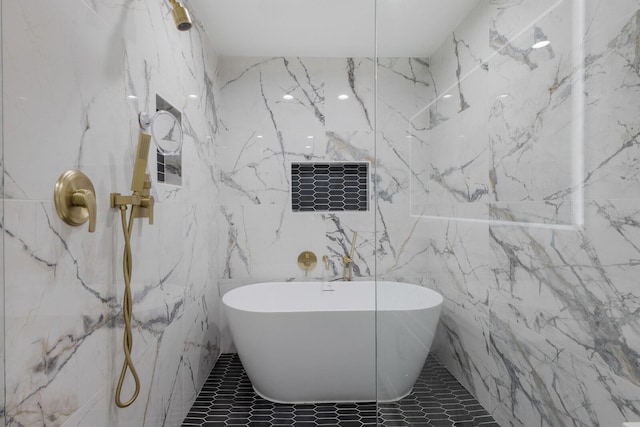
point(307, 260)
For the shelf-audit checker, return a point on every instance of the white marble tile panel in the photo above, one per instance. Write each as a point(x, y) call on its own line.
point(604, 20)
point(548, 213)
point(202, 342)
point(459, 160)
point(458, 260)
point(163, 400)
point(353, 77)
point(510, 18)
point(351, 146)
point(554, 282)
point(252, 169)
point(539, 382)
point(611, 91)
point(70, 129)
point(171, 222)
point(263, 240)
point(419, 170)
point(254, 90)
point(67, 79)
point(463, 53)
point(402, 87)
point(462, 345)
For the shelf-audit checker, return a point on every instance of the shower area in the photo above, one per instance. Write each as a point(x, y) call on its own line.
point(495, 150)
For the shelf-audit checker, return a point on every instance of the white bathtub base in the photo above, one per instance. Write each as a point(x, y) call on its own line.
point(301, 345)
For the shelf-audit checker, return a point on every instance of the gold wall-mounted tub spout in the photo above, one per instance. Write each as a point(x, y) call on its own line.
point(75, 199)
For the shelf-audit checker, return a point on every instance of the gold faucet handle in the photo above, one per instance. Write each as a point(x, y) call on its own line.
point(325, 259)
point(144, 209)
point(147, 200)
point(86, 199)
point(151, 202)
point(75, 199)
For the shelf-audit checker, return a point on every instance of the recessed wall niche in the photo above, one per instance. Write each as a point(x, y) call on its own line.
point(329, 186)
point(169, 166)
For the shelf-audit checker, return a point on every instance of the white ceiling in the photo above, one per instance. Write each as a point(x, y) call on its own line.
point(329, 28)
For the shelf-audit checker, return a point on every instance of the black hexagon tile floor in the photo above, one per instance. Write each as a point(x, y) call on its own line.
point(437, 400)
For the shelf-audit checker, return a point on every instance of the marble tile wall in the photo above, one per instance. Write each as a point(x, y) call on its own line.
point(532, 209)
point(262, 134)
point(75, 76)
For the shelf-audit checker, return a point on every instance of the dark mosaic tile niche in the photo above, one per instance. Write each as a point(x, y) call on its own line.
point(437, 400)
point(329, 187)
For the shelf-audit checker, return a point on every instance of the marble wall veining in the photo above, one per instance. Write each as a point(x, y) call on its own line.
point(262, 134)
point(477, 154)
point(75, 76)
point(504, 177)
point(532, 209)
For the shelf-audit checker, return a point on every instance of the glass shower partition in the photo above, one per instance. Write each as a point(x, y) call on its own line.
point(481, 147)
point(298, 136)
point(2, 258)
point(403, 89)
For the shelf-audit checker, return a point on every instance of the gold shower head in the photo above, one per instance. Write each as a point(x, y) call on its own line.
point(180, 16)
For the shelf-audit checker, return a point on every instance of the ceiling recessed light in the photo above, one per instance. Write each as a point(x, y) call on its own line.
point(193, 96)
point(259, 136)
point(504, 95)
point(541, 44)
point(287, 97)
point(310, 137)
point(447, 96)
point(132, 97)
point(343, 97)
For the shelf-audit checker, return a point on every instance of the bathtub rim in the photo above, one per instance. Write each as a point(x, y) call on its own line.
point(436, 299)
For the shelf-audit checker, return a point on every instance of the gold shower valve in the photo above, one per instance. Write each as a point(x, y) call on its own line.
point(75, 199)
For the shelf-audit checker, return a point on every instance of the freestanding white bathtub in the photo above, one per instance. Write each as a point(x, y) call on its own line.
point(300, 343)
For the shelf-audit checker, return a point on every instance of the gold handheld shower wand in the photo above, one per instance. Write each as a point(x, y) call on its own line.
point(141, 203)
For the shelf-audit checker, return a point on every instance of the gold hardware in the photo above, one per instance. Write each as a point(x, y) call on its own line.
point(347, 261)
point(180, 16)
point(75, 199)
point(127, 313)
point(141, 200)
point(307, 260)
point(142, 203)
point(325, 259)
point(140, 166)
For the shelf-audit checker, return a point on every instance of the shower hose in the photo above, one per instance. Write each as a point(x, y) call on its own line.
point(127, 311)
